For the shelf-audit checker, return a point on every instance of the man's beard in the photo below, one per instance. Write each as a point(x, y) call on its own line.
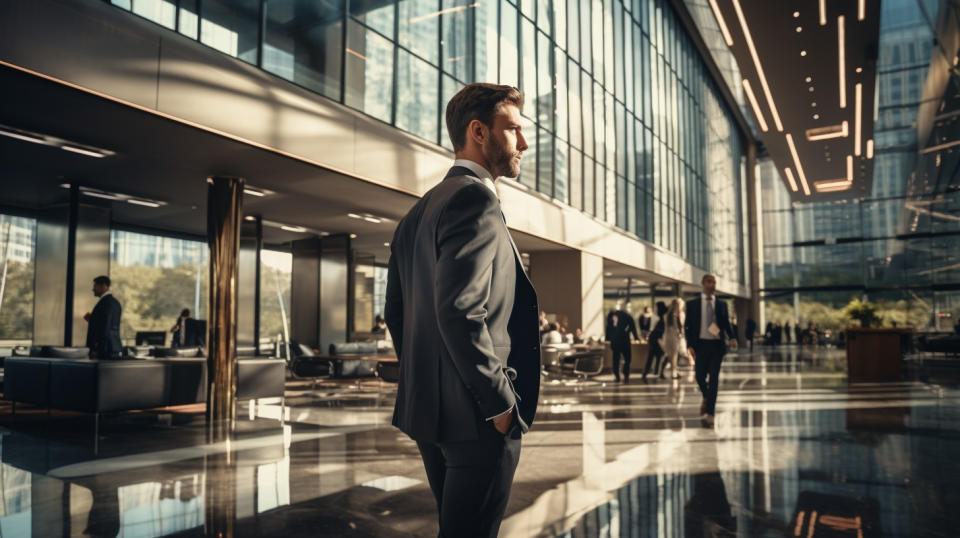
point(500, 160)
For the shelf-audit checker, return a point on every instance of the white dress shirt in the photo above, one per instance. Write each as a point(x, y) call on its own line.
point(705, 302)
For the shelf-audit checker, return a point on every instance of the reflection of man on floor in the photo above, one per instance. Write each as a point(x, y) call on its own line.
point(103, 324)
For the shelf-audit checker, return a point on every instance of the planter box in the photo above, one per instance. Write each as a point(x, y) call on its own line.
point(875, 354)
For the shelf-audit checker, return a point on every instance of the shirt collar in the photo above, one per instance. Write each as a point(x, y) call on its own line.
point(705, 296)
point(481, 172)
point(104, 294)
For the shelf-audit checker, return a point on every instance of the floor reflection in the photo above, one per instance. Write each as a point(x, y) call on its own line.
point(796, 452)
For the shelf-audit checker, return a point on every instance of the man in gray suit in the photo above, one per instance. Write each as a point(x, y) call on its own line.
point(463, 316)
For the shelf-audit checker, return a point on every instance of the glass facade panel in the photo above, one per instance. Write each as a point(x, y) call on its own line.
point(276, 270)
point(626, 123)
point(232, 27)
point(375, 14)
point(369, 72)
point(459, 38)
point(310, 55)
point(418, 88)
point(154, 278)
point(419, 26)
point(17, 253)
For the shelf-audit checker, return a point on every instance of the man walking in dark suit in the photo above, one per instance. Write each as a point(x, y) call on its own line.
point(620, 326)
point(103, 324)
point(706, 328)
point(463, 316)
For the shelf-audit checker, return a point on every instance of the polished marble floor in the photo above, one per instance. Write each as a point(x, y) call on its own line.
point(796, 451)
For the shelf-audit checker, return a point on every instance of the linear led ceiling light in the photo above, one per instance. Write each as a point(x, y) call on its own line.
point(254, 192)
point(828, 132)
point(297, 229)
point(756, 64)
point(748, 90)
point(850, 168)
point(870, 148)
point(145, 203)
point(22, 136)
point(823, 12)
point(722, 23)
point(861, 10)
point(793, 182)
point(842, 61)
point(797, 165)
point(83, 151)
point(832, 186)
point(858, 119)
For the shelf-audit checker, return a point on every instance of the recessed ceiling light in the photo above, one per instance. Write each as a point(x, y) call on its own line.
point(297, 229)
point(810, 89)
point(354, 216)
point(808, 80)
point(249, 217)
point(816, 116)
point(859, 70)
point(803, 53)
point(254, 192)
point(799, 29)
point(353, 236)
point(823, 12)
point(796, 14)
point(386, 244)
point(721, 23)
point(842, 61)
point(372, 219)
point(813, 104)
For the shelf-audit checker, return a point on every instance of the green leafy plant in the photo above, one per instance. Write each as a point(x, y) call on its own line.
point(864, 311)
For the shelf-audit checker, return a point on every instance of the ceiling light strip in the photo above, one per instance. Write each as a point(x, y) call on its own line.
point(756, 64)
point(837, 188)
point(722, 23)
point(858, 120)
point(842, 61)
point(826, 133)
point(24, 137)
point(861, 9)
point(790, 179)
point(82, 151)
point(870, 148)
point(831, 183)
point(748, 90)
point(823, 12)
point(850, 168)
point(797, 165)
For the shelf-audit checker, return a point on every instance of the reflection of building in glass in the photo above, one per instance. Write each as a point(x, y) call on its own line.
point(129, 248)
point(17, 238)
point(817, 256)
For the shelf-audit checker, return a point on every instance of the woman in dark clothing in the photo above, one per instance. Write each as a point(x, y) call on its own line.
point(653, 341)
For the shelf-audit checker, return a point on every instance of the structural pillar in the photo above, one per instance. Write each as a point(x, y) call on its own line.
point(321, 299)
point(224, 208)
point(753, 236)
point(570, 283)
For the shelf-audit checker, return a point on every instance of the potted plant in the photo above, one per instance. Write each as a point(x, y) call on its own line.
point(865, 311)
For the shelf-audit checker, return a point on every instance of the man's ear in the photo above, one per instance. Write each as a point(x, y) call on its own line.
point(477, 131)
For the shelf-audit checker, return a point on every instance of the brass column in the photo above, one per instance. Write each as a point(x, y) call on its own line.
point(224, 208)
point(753, 235)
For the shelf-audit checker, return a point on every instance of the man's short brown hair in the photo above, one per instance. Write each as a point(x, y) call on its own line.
point(477, 101)
point(706, 276)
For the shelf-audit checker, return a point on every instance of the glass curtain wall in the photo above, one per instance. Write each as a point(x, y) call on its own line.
point(897, 247)
point(276, 270)
point(625, 122)
point(17, 241)
point(155, 277)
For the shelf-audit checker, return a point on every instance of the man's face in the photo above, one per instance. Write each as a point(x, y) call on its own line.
point(504, 147)
point(99, 290)
point(709, 285)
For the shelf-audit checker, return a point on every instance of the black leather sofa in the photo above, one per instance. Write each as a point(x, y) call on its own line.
point(102, 386)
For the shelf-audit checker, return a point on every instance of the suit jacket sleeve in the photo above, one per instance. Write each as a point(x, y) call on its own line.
point(691, 333)
point(393, 310)
point(100, 327)
point(633, 328)
point(467, 241)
